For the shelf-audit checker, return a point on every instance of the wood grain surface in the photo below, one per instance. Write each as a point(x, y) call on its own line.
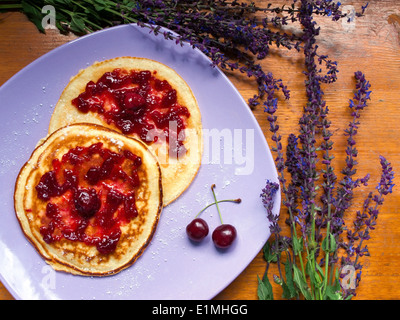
point(370, 44)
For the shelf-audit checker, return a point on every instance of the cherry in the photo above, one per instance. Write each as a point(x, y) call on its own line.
point(133, 100)
point(169, 98)
point(87, 203)
point(224, 235)
point(108, 243)
point(93, 175)
point(48, 186)
point(197, 230)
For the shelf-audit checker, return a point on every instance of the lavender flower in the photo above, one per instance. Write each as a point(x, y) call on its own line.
point(267, 197)
point(386, 184)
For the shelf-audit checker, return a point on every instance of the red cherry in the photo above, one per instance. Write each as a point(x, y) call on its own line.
point(87, 202)
point(197, 230)
point(224, 235)
point(169, 98)
point(108, 242)
point(133, 100)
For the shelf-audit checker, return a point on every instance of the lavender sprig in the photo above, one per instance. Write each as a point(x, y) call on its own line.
point(364, 223)
point(280, 244)
point(347, 184)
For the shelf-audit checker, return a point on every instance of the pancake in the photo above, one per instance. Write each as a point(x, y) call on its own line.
point(148, 101)
point(89, 199)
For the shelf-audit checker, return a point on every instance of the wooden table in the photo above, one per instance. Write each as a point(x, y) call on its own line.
point(370, 44)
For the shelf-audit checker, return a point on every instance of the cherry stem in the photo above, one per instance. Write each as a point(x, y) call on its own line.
point(219, 201)
point(216, 203)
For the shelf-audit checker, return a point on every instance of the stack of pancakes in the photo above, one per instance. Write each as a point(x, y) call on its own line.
point(162, 179)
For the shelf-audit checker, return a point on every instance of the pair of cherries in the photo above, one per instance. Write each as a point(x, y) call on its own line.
point(223, 236)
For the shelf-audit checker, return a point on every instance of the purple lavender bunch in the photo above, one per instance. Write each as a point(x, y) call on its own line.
point(310, 279)
point(311, 269)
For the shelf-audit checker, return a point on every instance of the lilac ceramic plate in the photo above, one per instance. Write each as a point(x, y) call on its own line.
point(236, 158)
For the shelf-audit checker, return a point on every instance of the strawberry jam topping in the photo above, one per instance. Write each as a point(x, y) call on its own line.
point(90, 194)
point(137, 102)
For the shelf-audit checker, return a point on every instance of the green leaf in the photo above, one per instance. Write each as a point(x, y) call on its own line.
point(58, 3)
point(329, 243)
point(301, 283)
point(289, 291)
point(297, 245)
point(320, 270)
point(264, 290)
point(286, 291)
point(99, 5)
point(34, 14)
point(77, 24)
point(315, 273)
point(334, 291)
point(269, 256)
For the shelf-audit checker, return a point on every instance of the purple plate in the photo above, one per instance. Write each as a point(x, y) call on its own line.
point(236, 158)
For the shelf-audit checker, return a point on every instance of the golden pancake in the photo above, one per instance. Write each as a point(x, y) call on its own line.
point(89, 199)
point(144, 99)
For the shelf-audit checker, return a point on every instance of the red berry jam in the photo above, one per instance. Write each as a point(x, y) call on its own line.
point(137, 102)
point(90, 194)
